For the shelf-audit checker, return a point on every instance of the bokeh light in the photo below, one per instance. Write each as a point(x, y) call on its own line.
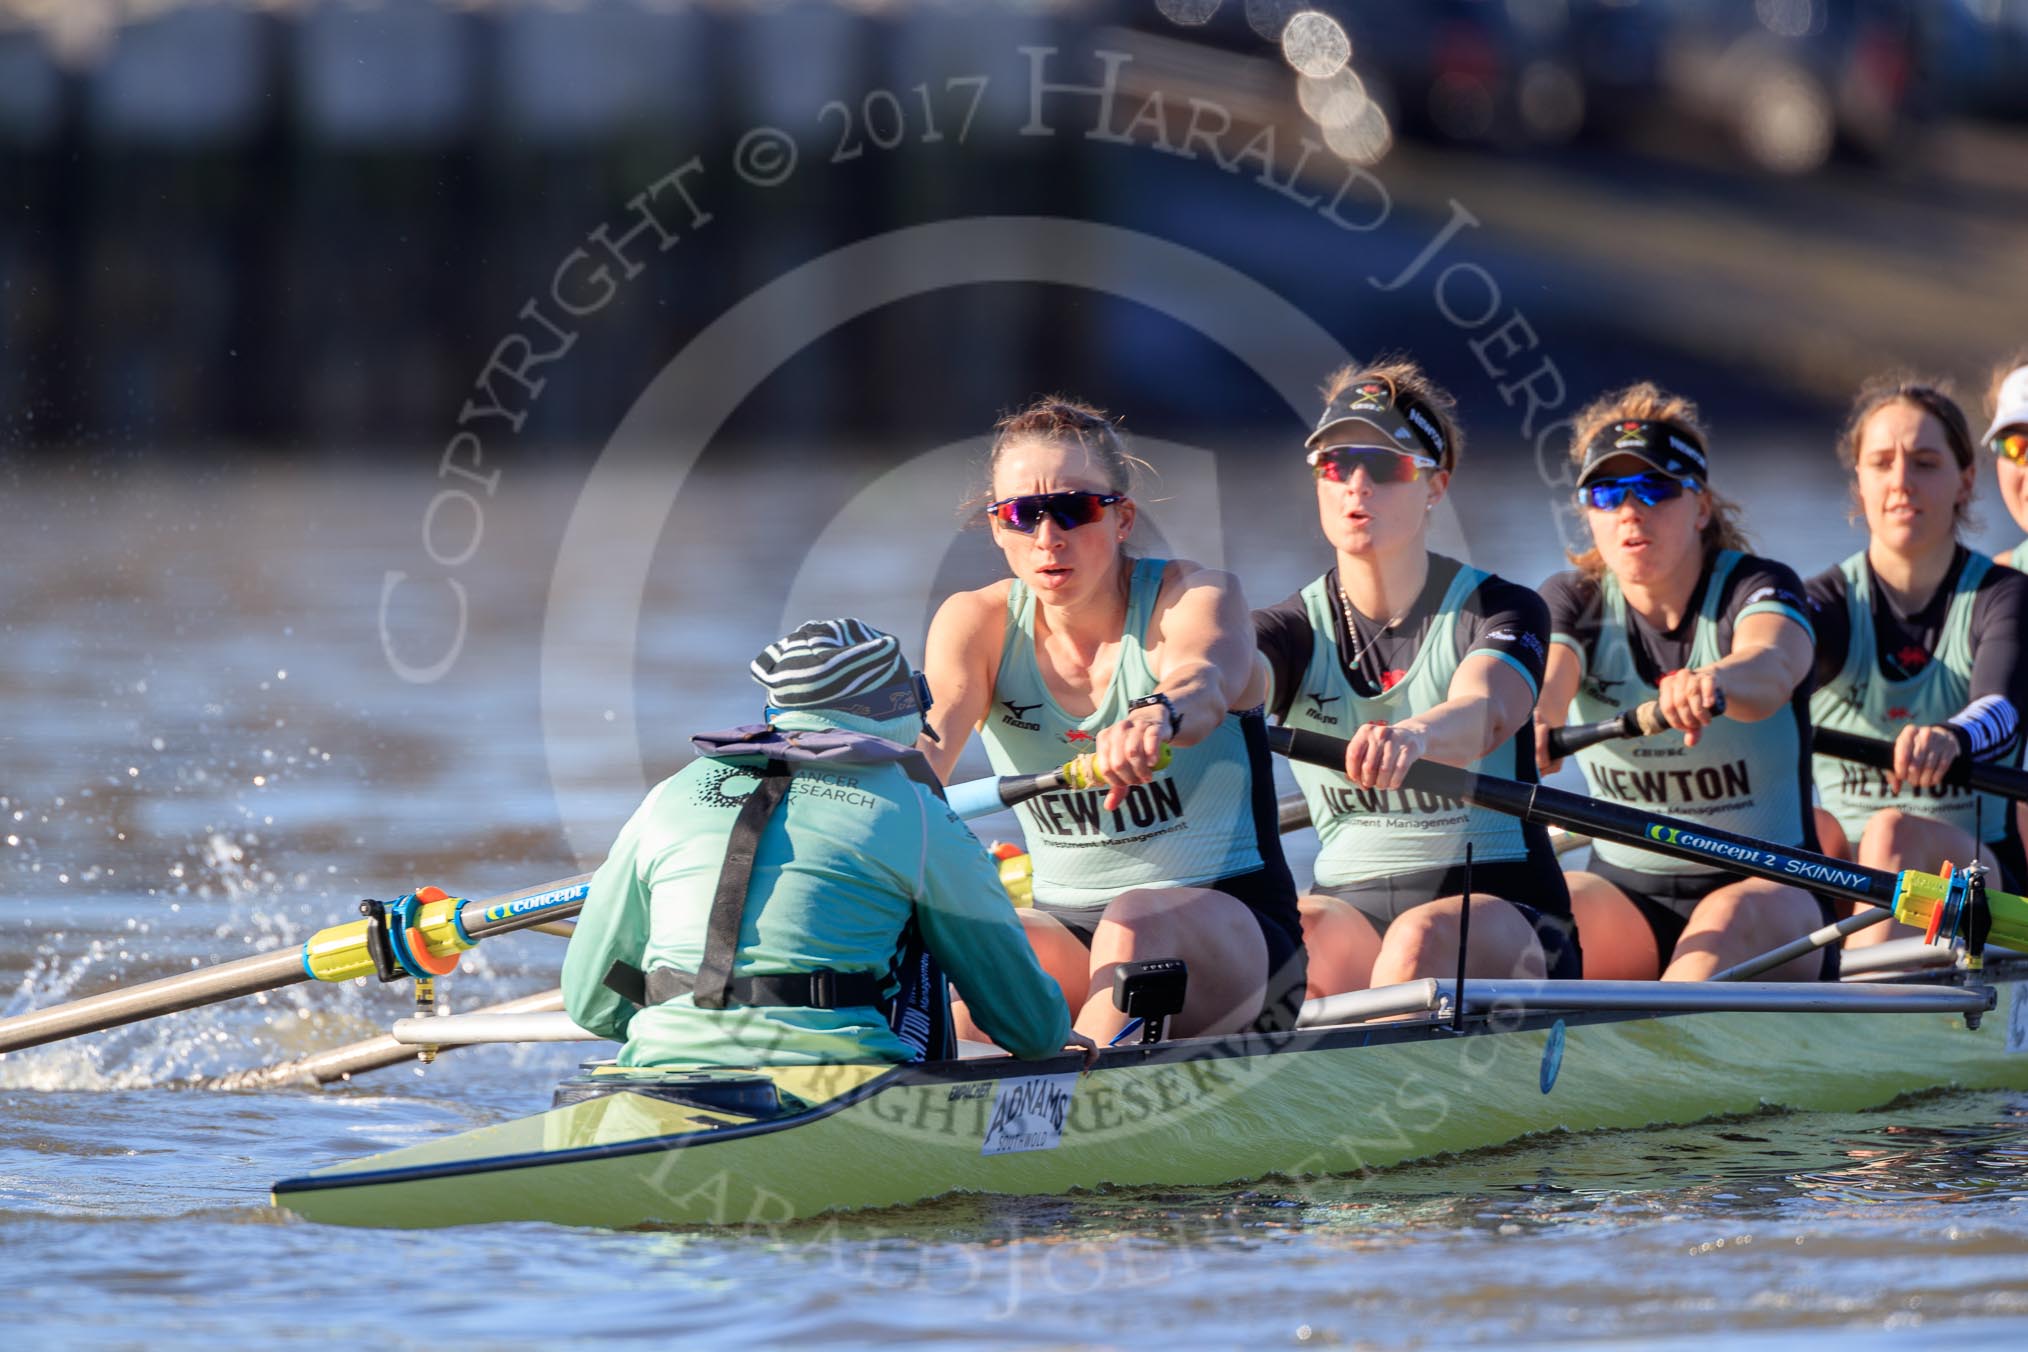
point(1189, 13)
point(1315, 45)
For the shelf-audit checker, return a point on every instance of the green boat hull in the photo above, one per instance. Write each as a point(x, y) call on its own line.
point(1191, 1112)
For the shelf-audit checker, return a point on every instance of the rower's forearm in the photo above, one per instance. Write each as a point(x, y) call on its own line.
point(1757, 685)
point(1198, 694)
point(1460, 731)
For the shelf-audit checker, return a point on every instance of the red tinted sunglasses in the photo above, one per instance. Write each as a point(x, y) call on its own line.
point(1382, 466)
point(1067, 510)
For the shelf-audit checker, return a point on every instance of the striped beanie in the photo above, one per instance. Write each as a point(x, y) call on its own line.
point(840, 673)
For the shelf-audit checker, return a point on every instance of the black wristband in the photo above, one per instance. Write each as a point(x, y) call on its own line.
point(1175, 719)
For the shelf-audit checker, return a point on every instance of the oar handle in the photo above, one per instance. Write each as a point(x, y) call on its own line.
point(1964, 772)
point(1644, 721)
point(983, 797)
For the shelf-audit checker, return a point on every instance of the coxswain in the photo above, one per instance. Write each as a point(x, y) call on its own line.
point(789, 897)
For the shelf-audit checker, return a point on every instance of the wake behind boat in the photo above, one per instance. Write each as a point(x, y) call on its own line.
point(630, 1148)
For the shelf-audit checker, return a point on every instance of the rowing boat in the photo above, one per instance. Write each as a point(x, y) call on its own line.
point(1394, 1075)
point(1368, 1079)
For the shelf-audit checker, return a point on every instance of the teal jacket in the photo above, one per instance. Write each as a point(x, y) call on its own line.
point(851, 854)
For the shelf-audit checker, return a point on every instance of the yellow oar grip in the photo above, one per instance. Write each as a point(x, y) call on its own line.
point(1080, 774)
point(339, 953)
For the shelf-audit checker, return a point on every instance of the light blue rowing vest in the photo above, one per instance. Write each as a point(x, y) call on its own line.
point(1740, 777)
point(1193, 824)
point(1381, 833)
point(1861, 700)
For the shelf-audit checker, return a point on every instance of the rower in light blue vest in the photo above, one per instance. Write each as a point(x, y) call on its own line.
point(1668, 609)
point(1920, 645)
point(1741, 777)
point(1198, 820)
point(1368, 834)
point(1086, 648)
point(1408, 654)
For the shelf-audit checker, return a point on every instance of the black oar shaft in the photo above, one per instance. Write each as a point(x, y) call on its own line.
point(1612, 821)
point(1964, 772)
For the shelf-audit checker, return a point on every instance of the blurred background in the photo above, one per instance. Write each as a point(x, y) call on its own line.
point(286, 226)
point(317, 317)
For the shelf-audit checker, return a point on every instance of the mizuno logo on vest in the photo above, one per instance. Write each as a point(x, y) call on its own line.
point(1318, 699)
point(1017, 715)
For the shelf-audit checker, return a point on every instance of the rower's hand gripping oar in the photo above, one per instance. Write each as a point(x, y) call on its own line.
point(1645, 721)
point(419, 936)
point(982, 797)
point(2001, 780)
point(1913, 897)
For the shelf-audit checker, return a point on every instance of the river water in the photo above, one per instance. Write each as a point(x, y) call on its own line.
point(210, 749)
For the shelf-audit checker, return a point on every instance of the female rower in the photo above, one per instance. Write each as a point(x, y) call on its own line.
point(1668, 606)
point(2007, 439)
point(1919, 643)
point(1087, 648)
point(1410, 654)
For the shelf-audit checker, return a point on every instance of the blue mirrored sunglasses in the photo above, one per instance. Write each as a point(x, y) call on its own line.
point(1650, 490)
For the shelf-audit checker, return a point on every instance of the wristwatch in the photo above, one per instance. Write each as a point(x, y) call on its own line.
point(1175, 719)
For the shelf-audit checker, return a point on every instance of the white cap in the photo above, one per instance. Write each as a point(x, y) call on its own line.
point(2013, 406)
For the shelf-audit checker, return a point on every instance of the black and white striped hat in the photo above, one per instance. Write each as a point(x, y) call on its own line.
point(845, 665)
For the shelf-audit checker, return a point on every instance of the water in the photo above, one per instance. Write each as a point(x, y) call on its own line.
point(208, 752)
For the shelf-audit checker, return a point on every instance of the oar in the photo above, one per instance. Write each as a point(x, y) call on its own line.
point(418, 936)
point(1644, 721)
point(374, 1053)
point(385, 1050)
point(443, 928)
point(2004, 780)
point(1292, 813)
point(1914, 898)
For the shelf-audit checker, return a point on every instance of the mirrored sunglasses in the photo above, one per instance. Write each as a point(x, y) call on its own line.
point(1067, 510)
point(1382, 466)
point(1649, 490)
